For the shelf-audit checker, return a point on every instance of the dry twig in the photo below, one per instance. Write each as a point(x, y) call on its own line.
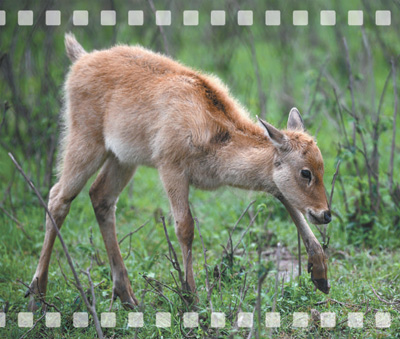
point(19, 224)
point(130, 238)
point(394, 127)
point(208, 287)
point(40, 296)
point(160, 27)
point(383, 300)
point(174, 260)
point(34, 325)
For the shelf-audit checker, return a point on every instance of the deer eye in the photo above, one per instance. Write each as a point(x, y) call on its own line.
point(306, 174)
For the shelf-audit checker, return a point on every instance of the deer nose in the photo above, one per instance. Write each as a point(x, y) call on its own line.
point(327, 217)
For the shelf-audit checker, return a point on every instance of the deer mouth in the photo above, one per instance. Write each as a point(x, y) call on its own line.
point(315, 219)
point(322, 284)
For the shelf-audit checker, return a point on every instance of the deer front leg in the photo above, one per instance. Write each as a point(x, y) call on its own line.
point(317, 261)
point(177, 188)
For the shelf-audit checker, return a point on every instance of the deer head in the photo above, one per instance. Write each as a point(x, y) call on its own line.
point(298, 169)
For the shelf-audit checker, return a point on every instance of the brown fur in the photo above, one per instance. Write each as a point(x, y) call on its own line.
point(127, 106)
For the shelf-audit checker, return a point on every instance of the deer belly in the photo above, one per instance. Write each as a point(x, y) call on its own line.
point(128, 151)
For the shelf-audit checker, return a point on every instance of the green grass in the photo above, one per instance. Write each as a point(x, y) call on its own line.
point(351, 270)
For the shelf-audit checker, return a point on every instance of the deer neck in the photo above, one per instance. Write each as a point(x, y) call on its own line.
point(248, 165)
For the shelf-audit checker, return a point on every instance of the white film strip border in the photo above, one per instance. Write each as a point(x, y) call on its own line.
point(191, 18)
point(191, 319)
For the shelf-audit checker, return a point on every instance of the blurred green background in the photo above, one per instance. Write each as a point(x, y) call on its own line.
point(343, 79)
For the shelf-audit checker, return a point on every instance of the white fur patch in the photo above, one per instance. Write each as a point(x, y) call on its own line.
point(127, 152)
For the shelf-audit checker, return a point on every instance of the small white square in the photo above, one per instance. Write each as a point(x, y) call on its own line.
point(191, 18)
point(2, 18)
point(272, 18)
point(382, 320)
point(53, 18)
point(217, 320)
point(300, 319)
point(108, 319)
point(108, 18)
point(218, 18)
point(383, 18)
point(53, 319)
point(245, 18)
point(163, 319)
point(355, 319)
point(190, 319)
point(80, 18)
point(2, 319)
point(328, 319)
point(135, 18)
point(25, 18)
point(163, 18)
point(135, 319)
point(328, 18)
point(355, 18)
point(272, 319)
point(245, 319)
point(81, 319)
point(25, 319)
point(300, 18)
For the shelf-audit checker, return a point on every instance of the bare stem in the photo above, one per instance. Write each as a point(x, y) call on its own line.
point(333, 183)
point(160, 27)
point(299, 250)
point(209, 289)
point(394, 127)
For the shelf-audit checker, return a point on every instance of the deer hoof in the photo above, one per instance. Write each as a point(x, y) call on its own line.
point(127, 297)
point(33, 304)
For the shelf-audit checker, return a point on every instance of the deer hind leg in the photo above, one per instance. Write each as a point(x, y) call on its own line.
point(78, 167)
point(177, 187)
point(104, 193)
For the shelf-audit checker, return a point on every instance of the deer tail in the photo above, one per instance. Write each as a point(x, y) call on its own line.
point(73, 48)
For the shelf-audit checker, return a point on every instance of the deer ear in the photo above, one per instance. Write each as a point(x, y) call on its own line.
point(295, 122)
point(275, 135)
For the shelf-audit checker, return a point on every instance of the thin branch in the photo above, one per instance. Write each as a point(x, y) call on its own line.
point(299, 250)
point(333, 183)
point(91, 308)
point(96, 251)
point(161, 28)
point(156, 289)
point(351, 86)
point(19, 224)
point(173, 260)
point(133, 232)
point(261, 94)
point(130, 238)
point(259, 288)
point(330, 300)
point(383, 300)
point(209, 289)
point(41, 298)
point(341, 118)
point(346, 203)
point(321, 71)
point(245, 231)
point(34, 325)
point(230, 244)
point(278, 259)
point(394, 127)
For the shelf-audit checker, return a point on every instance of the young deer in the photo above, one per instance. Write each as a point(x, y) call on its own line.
point(127, 106)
